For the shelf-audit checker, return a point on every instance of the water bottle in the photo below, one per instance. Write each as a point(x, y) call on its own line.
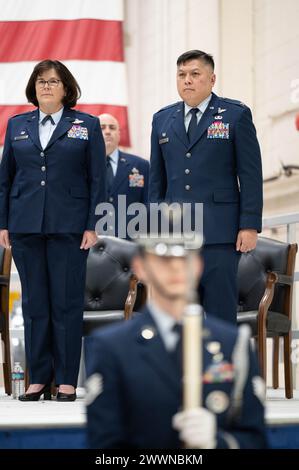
point(17, 380)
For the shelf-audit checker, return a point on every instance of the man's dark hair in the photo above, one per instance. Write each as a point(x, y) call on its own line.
point(72, 89)
point(196, 54)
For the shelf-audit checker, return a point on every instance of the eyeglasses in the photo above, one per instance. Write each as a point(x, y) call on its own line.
point(52, 83)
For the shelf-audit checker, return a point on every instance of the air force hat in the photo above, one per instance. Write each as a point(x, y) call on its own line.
point(169, 236)
point(176, 245)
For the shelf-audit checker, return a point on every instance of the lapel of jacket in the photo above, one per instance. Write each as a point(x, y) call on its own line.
point(122, 172)
point(64, 125)
point(178, 124)
point(33, 128)
point(155, 354)
point(206, 119)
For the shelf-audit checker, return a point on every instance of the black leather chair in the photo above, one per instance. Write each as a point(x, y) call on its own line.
point(112, 290)
point(265, 278)
point(5, 265)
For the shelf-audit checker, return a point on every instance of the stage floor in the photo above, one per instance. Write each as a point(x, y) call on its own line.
point(51, 414)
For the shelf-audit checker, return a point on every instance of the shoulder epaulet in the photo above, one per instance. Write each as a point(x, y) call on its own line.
point(173, 105)
point(86, 114)
point(21, 114)
point(238, 103)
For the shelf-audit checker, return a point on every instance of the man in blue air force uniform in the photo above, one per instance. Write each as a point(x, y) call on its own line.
point(127, 175)
point(134, 389)
point(204, 149)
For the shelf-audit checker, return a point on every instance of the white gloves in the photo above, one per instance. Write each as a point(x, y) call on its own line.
point(196, 427)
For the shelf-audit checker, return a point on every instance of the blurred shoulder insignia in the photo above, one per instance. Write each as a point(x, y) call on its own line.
point(93, 387)
point(238, 103)
point(259, 388)
point(22, 114)
point(168, 107)
point(86, 114)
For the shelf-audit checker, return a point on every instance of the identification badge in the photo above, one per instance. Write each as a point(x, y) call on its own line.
point(21, 137)
point(164, 140)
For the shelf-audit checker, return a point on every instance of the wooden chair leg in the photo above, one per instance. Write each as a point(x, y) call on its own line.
point(262, 354)
point(275, 375)
point(288, 376)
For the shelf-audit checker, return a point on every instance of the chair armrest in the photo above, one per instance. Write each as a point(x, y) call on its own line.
point(4, 280)
point(266, 300)
point(131, 297)
point(284, 279)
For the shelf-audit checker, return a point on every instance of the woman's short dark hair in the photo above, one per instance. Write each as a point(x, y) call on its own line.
point(196, 54)
point(72, 89)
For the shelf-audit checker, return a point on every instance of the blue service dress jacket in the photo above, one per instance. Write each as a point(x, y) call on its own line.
point(135, 387)
point(131, 183)
point(55, 190)
point(220, 168)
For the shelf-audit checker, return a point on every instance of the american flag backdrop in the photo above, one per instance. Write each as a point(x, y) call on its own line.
point(86, 35)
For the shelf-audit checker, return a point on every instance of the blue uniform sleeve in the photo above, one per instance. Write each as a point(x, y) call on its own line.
point(157, 176)
point(7, 173)
point(245, 429)
point(96, 173)
point(105, 414)
point(146, 178)
point(249, 170)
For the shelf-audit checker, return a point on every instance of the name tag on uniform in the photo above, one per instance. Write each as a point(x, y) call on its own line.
point(21, 137)
point(164, 140)
point(218, 130)
point(78, 132)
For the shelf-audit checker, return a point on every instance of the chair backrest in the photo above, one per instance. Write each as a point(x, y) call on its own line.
point(108, 274)
point(269, 255)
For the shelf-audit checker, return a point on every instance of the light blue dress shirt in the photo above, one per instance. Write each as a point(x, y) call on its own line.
point(114, 156)
point(46, 130)
point(202, 107)
point(165, 323)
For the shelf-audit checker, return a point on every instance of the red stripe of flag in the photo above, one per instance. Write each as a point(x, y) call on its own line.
point(120, 112)
point(85, 39)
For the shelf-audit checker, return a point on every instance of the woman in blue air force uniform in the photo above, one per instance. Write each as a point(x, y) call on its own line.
point(52, 176)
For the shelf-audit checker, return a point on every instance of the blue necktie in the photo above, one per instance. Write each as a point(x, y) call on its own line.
point(192, 129)
point(48, 118)
point(109, 175)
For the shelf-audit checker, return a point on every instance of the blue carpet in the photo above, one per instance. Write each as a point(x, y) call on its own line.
point(67, 438)
point(280, 437)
